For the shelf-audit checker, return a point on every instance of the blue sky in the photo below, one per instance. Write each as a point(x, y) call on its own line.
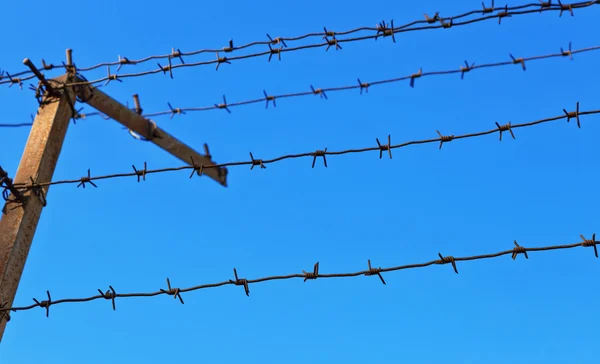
point(474, 196)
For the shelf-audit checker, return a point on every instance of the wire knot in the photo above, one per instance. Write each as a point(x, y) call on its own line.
point(45, 304)
point(86, 179)
point(240, 282)
point(414, 76)
point(519, 250)
point(269, 98)
point(256, 162)
point(320, 153)
point(568, 52)
point(328, 33)
point(123, 61)
point(446, 260)
point(518, 60)
point(449, 259)
point(386, 31)
point(175, 292)
point(175, 110)
point(276, 51)
point(503, 128)
point(573, 114)
point(111, 76)
point(109, 295)
point(140, 173)
point(447, 25)
point(444, 138)
point(503, 14)
point(466, 69)
point(230, 48)
point(176, 54)
point(79, 116)
point(221, 60)
point(588, 243)
point(319, 92)
point(363, 85)
point(167, 68)
point(332, 43)
point(387, 146)
point(545, 5)
point(223, 105)
point(46, 66)
point(196, 168)
point(374, 271)
point(565, 7)
point(487, 10)
point(277, 40)
point(435, 18)
point(312, 275)
point(14, 81)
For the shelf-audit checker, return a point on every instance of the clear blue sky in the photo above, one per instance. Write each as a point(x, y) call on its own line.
point(474, 196)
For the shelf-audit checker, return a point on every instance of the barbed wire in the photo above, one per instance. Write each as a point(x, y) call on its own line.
point(141, 173)
point(112, 295)
point(382, 30)
point(20, 125)
point(362, 86)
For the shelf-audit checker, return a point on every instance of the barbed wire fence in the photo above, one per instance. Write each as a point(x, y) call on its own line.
point(382, 30)
point(13, 192)
point(359, 85)
point(112, 295)
point(141, 174)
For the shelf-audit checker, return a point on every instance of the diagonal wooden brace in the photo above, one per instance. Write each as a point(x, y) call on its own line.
point(142, 126)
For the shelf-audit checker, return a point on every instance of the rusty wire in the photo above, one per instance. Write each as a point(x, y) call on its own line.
point(9, 125)
point(112, 295)
point(322, 153)
point(364, 86)
point(382, 30)
point(360, 85)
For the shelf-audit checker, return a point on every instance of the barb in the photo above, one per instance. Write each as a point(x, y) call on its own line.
point(381, 30)
point(176, 292)
point(366, 85)
point(324, 152)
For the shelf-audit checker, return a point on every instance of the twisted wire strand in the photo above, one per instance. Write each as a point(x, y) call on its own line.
point(321, 154)
point(462, 70)
point(360, 85)
point(315, 274)
point(382, 30)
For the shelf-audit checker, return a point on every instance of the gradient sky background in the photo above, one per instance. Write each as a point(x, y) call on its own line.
point(474, 196)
